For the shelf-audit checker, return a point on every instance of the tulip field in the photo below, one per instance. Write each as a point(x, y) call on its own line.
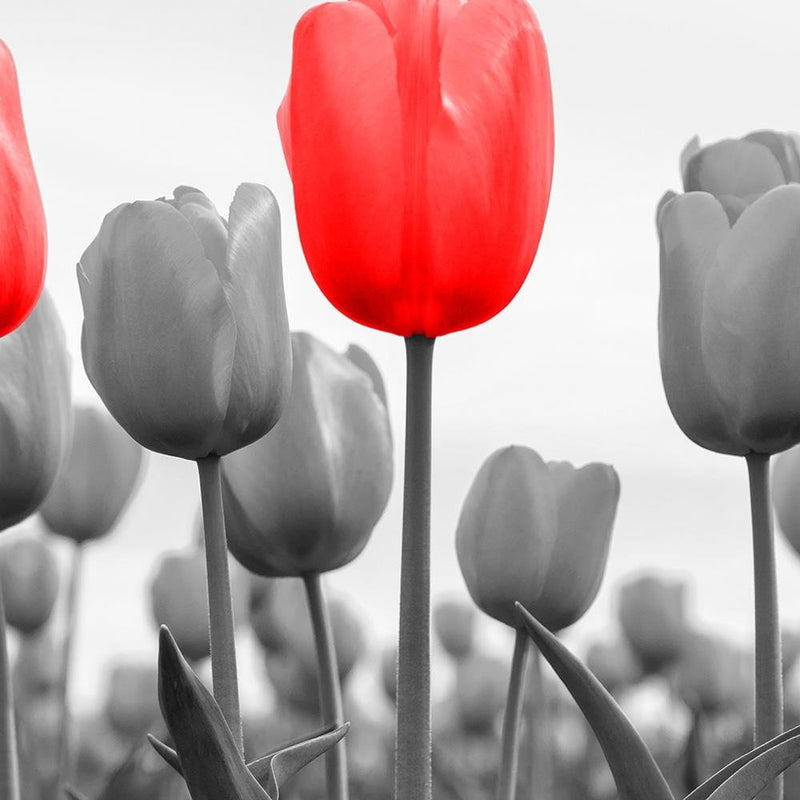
point(407, 571)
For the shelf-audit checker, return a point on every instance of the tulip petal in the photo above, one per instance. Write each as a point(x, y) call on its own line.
point(733, 166)
point(489, 164)
point(773, 748)
point(692, 228)
point(665, 198)
point(158, 334)
point(635, 772)
point(751, 322)
point(210, 228)
point(274, 769)
point(347, 168)
point(262, 363)
point(784, 148)
point(587, 505)
point(690, 149)
point(210, 761)
point(23, 235)
point(35, 411)
point(365, 362)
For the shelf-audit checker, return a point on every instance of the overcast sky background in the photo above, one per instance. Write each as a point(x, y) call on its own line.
point(125, 101)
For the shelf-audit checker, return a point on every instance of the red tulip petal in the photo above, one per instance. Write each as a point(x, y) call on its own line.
point(341, 127)
point(489, 163)
point(23, 236)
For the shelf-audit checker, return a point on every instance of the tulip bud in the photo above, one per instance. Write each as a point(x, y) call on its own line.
point(708, 675)
point(132, 699)
point(727, 318)
point(96, 482)
point(436, 166)
point(22, 224)
point(614, 665)
point(652, 615)
point(35, 414)
point(29, 581)
point(786, 495)
point(306, 498)
point(281, 622)
point(480, 692)
point(37, 669)
point(179, 600)
point(537, 534)
point(185, 333)
point(454, 624)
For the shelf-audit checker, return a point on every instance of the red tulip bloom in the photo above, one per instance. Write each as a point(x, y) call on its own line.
point(419, 137)
point(23, 237)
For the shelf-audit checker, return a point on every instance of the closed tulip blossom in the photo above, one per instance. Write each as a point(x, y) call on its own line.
point(22, 225)
point(652, 615)
point(538, 534)
point(97, 481)
point(727, 332)
point(35, 411)
point(29, 581)
point(186, 339)
point(454, 624)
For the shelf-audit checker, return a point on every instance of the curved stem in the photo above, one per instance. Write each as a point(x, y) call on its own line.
point(413, 754)
point(769, 683)
point(220, 608)
point(539, 729)
point(9, 758)
point(73, 590)
point(507, 780)
point(330, 690)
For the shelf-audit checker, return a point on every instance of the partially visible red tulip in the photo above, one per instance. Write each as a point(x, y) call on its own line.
point(652, 616)
point(23, 234)
point(35, 411)
point(306, 498)
point(97, 481)
point(179, 600)
point(419, 137)
point(29, 582)
point(537, 534)
point(454, 624)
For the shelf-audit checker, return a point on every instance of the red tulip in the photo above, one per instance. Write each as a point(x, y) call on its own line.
point(419, 137)
point(23, 236)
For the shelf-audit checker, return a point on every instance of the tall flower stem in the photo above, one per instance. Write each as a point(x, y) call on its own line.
point(540, 733)
point(769, 688)
point(413, 754)
point(330, 690)
point(507, 780)
point(70, 625)
point(220, 608)
point(9, 760)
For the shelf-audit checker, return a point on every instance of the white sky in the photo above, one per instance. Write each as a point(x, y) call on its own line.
point(124, 101)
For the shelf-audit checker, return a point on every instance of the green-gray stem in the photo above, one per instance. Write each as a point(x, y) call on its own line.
point(71, 621)
point(220, 608)
point(9, 760)
point(413, 753)
point(507, 779)
point(330, 690)
point(768, 672)
point(540, 733)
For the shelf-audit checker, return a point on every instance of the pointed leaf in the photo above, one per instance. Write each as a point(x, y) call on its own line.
point(704, 791)
point(634, 770)
point(276, 768)
point(166, 752)
point(748, 781)
point(212, 766)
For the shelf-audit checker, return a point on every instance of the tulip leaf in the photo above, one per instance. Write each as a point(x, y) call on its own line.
point(748, 781)
point(275, 768)
point(635, 772)
point(707, 789)
point(167, 753)
point(212, 765)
